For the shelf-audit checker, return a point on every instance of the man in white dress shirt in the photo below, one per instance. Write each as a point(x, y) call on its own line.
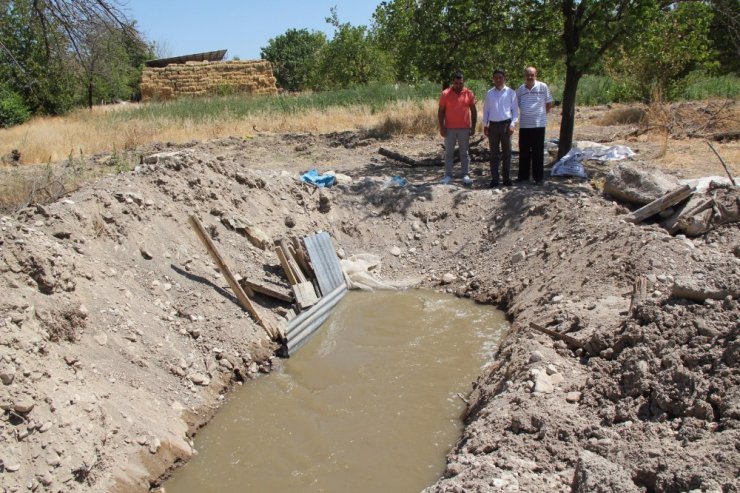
point(500, 114)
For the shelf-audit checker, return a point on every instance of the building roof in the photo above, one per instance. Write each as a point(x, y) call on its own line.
point(208, 56)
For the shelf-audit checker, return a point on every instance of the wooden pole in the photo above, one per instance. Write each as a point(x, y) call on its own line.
point(235, 287)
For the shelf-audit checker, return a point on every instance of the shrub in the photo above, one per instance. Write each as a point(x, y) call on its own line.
point(13, 110)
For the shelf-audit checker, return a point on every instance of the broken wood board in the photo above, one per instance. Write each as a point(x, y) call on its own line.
point(305, 295)
point(668, 200)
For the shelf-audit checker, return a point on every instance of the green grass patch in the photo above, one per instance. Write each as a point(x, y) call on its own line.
point(376, 96)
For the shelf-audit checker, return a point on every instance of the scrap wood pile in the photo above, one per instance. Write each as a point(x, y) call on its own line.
point(313, 273)
point(692, 208)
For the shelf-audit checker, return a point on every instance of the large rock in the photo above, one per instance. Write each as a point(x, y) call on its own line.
point(595, 474)
point(638, 183)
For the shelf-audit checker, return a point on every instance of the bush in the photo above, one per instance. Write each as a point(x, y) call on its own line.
point(13, 110)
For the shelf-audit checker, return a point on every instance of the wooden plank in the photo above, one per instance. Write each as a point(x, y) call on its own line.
point(305, 295)
point(271, 291)
point(272, 332)
point(286, 266)
point(296, 269)
point(668, 200)
point(302, 256)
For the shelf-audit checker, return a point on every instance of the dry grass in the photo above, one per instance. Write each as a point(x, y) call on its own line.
point(622, 116)
point(87, 133)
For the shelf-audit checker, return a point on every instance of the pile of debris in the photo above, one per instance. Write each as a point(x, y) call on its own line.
point(691, 207)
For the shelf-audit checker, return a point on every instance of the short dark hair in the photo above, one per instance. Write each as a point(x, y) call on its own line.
point(499, 71)
point(457, 75)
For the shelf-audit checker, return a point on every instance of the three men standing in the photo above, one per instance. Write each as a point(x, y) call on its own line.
point(457, 117)
point(535, 101)
point(500, 115)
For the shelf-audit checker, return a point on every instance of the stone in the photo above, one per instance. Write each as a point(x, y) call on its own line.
point(289, 222)
point(573, 396)
point(145, 253)
point(518, 257)
point(7, 374)
point(535, 356)
point(395, 251)
point(101, 338)
point(448, 278)
point(542, 382)
point(12, 467)
point(45, 427)
point(198, 379)
point(24, 405)
point(154, 445)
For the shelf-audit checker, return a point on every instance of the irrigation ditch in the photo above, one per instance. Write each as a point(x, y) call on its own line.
point(119, 337)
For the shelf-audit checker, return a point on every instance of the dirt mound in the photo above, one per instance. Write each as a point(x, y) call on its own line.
point(118, 337)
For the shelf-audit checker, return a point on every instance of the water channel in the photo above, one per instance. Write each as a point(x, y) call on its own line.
point(369, 404)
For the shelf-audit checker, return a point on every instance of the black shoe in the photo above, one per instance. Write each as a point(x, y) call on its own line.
point(507, 183)
point(493, 184)
point(521, 180)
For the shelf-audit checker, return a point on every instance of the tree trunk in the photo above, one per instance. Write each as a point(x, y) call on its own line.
point(567, 122)
point(90, 94)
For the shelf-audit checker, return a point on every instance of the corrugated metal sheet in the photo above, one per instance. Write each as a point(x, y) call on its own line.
point(304, 325)
point(324, 261)
point(210, 56)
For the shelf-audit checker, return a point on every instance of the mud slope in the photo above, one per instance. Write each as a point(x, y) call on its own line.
point(118, 337)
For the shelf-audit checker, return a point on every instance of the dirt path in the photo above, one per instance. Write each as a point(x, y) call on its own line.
point(118, 337)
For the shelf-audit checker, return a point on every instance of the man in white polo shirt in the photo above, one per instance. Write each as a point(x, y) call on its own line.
point(535, 101)
point(500, 114)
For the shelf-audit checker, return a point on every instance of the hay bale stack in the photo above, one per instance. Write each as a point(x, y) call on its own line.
point(194, 79)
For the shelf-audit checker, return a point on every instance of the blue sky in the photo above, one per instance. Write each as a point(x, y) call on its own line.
point(243, 27)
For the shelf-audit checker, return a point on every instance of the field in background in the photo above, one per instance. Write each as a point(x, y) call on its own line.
point(56, 153)
point(394, 109)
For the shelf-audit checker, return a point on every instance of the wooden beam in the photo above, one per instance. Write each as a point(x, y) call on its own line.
point(272, 332)
point(668, 200)
point(570, 341)
point(398, 157)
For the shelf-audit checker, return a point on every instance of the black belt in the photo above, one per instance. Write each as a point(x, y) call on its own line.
point(502, 121)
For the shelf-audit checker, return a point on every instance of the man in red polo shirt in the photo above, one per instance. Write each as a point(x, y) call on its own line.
point(457, 117)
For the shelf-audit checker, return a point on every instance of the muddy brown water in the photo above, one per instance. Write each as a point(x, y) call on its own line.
point(371, 403)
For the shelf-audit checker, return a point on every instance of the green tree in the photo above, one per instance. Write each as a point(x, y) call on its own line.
point(351, 57)
point(430, 39)
point(674, 43)
point(294, 56)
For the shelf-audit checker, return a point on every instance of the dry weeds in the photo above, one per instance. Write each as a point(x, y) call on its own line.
point(89, 133)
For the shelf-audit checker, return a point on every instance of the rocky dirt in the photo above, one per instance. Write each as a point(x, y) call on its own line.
point(119, 338)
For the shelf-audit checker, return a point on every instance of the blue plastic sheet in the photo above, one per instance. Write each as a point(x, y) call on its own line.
point(314, 178)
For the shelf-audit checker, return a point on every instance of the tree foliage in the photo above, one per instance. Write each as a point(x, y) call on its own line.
point(57, 53)
point(351, 57)
point(294, 56)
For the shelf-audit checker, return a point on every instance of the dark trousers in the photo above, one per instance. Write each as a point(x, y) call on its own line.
point(531, 153)
point(500, 144)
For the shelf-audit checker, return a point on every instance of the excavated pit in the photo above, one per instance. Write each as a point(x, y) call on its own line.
point(118, 337)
